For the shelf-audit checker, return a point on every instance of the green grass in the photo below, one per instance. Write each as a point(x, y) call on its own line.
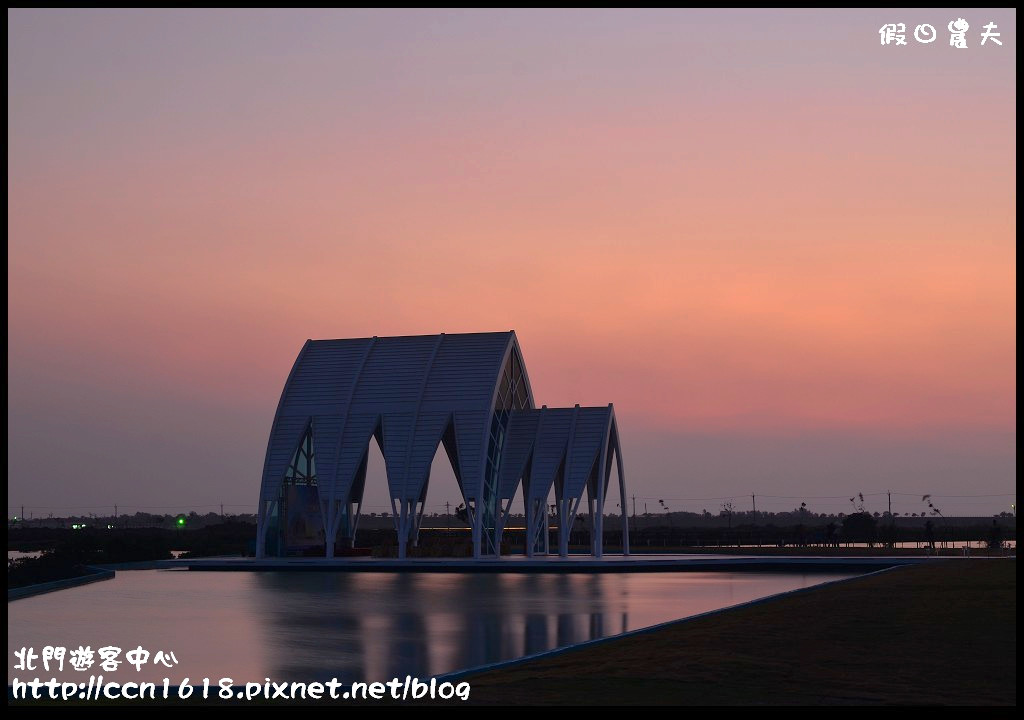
point(941, 633)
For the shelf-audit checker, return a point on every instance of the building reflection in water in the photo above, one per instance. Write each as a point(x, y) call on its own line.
point(306, 626)
point(375, 626)
point(359, 626)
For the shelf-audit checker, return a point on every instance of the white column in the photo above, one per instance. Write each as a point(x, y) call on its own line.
point(530, 529)
point(260, 522)
point(593, 523)
point(474, 521)
point(622, 501)
point(403, 533)
point(563, 530)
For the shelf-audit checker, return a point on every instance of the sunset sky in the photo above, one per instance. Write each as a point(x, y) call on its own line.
point(786, 252)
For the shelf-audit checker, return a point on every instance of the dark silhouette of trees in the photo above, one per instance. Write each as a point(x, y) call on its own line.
point(934, 510)
point(727, 510)
point(995, 538)
point(857, 501)
point(860, 527)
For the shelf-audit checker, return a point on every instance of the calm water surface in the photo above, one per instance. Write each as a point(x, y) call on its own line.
point(359, 626)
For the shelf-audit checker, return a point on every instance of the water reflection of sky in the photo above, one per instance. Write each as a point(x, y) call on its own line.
point(360, 626)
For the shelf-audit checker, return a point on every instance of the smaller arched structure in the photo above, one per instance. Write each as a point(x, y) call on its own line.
point(572, 450)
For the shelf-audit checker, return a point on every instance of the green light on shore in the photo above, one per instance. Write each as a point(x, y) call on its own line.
point(181, 522)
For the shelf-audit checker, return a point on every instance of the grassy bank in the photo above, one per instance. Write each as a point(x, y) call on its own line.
point(941, 633)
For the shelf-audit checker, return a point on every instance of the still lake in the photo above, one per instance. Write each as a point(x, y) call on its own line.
point(358, 626)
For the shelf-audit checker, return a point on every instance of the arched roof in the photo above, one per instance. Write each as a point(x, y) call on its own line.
point(410, 388)
point(549, 443)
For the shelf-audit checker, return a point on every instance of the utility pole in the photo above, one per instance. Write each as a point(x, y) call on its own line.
point(753, 499)
point(634, 507)
point(447, 515)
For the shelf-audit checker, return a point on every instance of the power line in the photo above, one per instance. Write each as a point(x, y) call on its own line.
point(137, 507)
point(120, 508)
point(937, 495)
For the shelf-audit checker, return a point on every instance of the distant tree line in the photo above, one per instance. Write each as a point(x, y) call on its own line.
point(66, 550)
point(861, 527)
point(192, 520)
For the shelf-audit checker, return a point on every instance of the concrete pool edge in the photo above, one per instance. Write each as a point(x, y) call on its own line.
point(96, 574)
point(581, 564)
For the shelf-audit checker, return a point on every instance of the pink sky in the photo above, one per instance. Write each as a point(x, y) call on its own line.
point(786, 253)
